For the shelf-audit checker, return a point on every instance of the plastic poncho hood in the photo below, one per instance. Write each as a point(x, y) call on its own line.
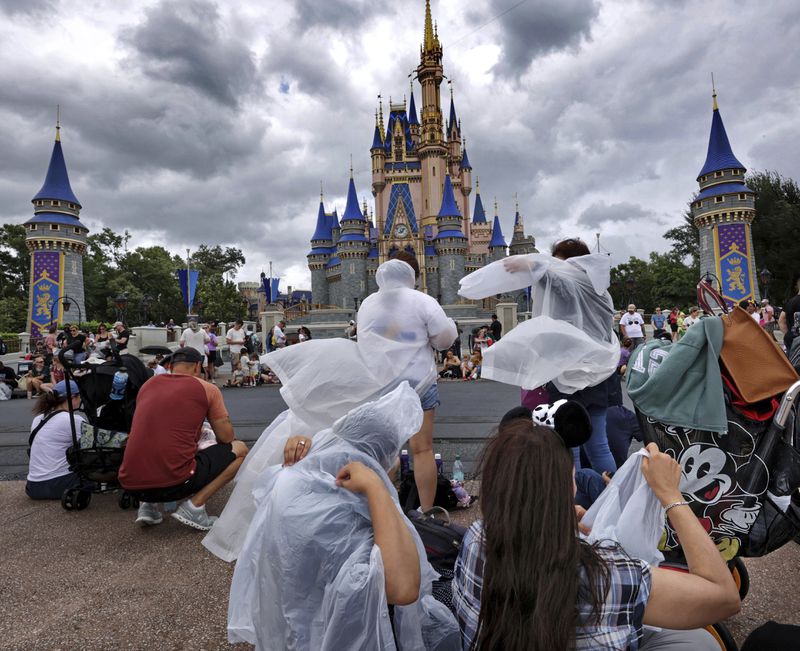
point(569, 340)
point(309, 575)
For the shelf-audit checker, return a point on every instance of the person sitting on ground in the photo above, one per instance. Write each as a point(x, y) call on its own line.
point(237, 378)
point(451, 366)
point(48, 471)
point(122, 337)
point(524, 579)
point(37, 379)
point(329, 549)
point(8, 380)
point(162, 463)
point(267, 376)
point(624, 354)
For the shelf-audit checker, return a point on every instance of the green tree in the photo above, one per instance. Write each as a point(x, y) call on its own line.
point(15, 261)
point(776, 229)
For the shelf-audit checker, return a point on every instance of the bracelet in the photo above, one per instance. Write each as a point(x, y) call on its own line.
point(673, 505)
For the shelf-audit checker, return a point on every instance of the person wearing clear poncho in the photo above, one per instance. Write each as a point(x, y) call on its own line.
point(322, 561)
point(325, 378)
point(569, 342)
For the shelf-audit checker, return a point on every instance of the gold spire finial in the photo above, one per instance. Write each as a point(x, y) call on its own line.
point(380, 104)
point(428, 43)
point(714, 92)
point(58, 122)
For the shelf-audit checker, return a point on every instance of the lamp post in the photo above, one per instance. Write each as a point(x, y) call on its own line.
point(766, 276)
point(121, 301)
point(65, 301)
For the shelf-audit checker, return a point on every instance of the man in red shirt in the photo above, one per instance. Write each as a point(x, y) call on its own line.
point(162, 462)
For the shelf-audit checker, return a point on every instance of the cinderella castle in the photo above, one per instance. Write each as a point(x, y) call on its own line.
point(421, 184)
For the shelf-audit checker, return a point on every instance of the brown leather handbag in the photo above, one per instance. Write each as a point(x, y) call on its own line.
point(754, 362)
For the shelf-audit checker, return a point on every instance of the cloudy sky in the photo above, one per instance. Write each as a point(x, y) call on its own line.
point(202, 121)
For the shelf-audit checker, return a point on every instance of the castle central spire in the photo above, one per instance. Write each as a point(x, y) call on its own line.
point(429, 41)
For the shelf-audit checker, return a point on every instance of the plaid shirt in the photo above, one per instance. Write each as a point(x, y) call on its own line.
point(619, 626)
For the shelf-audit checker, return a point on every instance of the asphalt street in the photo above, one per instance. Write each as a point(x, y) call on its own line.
point(468, 412)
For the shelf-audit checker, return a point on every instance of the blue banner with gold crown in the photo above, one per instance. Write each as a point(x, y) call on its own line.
point(732, 250)
point(47, 279)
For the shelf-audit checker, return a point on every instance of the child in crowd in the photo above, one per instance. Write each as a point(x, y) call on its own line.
point(237, 380)
point(253, 370)
point(267, 376)
point(471, 368)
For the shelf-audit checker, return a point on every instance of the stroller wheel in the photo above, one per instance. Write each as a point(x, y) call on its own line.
point(723, 637)
point(82, 500)
point(740, 576)
point(125, 500)
point(69, 499)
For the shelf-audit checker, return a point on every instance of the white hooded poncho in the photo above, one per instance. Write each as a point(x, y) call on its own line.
point(323, 379)
point(569, 340)
point(309, 576)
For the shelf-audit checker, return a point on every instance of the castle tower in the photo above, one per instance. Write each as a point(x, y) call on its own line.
point(413, 122)
point(520, 243)
point(723, 211)
point(321, 251)
point(352, 249)
point(497, 245)
point(480, 229)
point(56, 239)
point(451, 246)
point(432, 148)
point(465, 169)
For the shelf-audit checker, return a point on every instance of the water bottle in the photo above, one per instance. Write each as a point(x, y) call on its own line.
point(405, 465)
point(118, 385)
point(458, 469)
point(438, 458)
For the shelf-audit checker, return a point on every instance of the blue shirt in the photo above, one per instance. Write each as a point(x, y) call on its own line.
point(658, 321)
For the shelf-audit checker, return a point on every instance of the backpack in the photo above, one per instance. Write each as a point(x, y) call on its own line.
point(409, 497)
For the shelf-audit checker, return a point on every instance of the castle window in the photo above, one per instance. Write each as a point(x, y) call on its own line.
point(703, 179)
point(77, 231)
point(73, 206)
point(718, 174)
point(31, 227)
point(53, 227)
point(352, 268)
point(742, 196)
point(719, 199)
point(736, 172)
point(434, 171)
point(56, 203)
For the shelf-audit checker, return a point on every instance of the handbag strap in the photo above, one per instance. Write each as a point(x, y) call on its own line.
point(705, 288)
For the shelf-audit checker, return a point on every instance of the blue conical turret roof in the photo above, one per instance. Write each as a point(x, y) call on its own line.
point(333, 220)
point(479, 216)
point(720, 155)
point(377, 141)
point(56, 183)
point(323, 229)
point(465, 161)
point(497, 234)
point(449, 207)
point(453, 120)
point(412, 110)
point(351, 210)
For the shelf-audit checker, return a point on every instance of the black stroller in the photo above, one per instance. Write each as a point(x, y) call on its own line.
point(108, 394)
point(741, 484)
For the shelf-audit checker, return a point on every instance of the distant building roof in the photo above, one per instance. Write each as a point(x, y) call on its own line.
point(56, 183)
point(720, 155)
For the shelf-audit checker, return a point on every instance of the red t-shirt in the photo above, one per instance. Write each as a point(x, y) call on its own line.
point(162, 444)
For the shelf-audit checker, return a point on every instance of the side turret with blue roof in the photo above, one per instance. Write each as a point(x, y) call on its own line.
point(450, 244)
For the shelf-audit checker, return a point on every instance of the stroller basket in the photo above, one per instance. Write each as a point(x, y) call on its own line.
point(98, 455)
point(737, 482)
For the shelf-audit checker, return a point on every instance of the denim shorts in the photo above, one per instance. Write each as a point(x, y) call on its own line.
point(430, 399)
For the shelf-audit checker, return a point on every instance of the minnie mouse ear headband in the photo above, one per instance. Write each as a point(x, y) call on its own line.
point(568, 418)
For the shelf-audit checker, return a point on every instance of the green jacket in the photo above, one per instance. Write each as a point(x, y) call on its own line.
point(680, 383)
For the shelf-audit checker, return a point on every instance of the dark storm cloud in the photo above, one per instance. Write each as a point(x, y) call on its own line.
point(538, 27)
point(600, 212)
point(341, 15)
point(186, 42)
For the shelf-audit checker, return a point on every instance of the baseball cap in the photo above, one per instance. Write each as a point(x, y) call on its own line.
point(61, 388)
point(185, 354)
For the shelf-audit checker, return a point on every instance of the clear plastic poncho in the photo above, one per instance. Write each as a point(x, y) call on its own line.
point(309, 575)
point(569, 340)
point(324, 379)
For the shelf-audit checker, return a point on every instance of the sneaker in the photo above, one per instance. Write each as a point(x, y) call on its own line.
point(193, 517)
point(149, 515)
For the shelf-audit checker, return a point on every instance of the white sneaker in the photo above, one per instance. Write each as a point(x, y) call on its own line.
point(149, 514)
point(191, 516)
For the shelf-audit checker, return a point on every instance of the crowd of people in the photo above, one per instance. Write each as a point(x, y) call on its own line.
point(326, 556)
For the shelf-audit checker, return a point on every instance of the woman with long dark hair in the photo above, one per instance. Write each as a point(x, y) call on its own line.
point(48, 471)
point(526, 581)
